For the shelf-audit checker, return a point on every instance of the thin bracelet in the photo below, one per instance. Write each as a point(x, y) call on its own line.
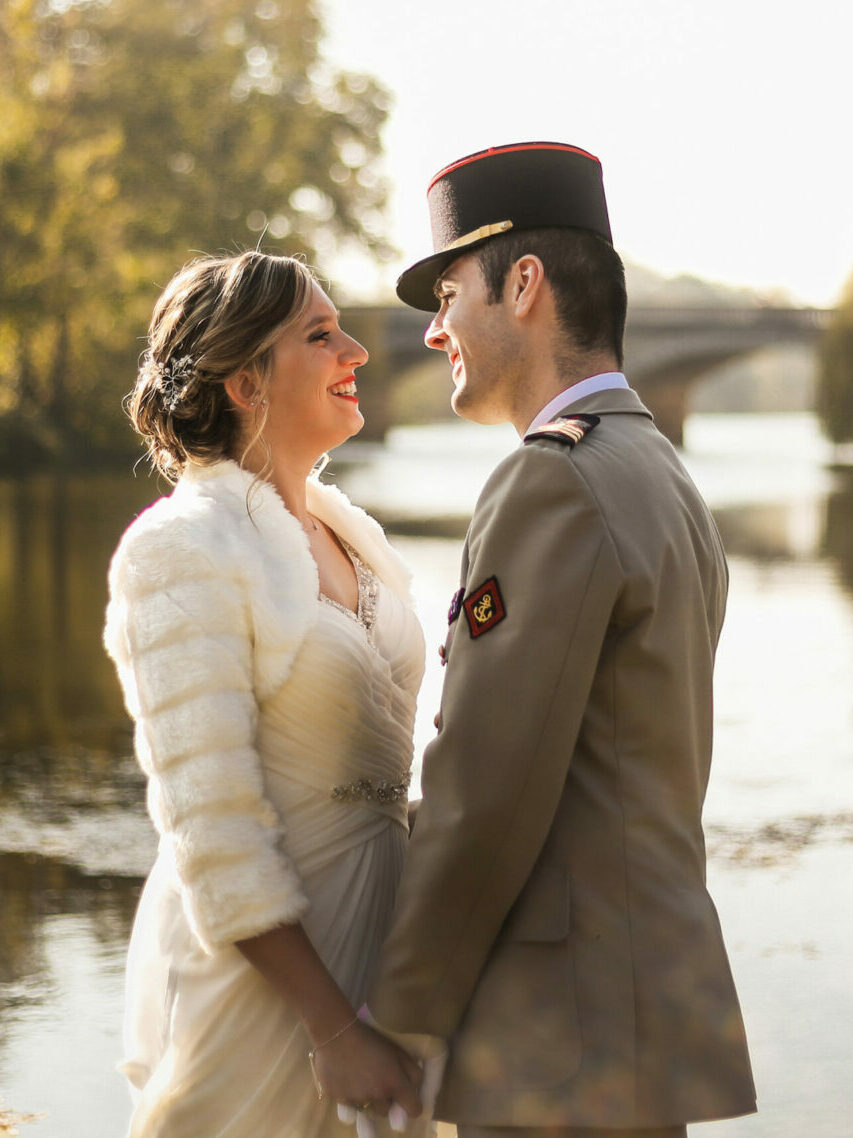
point(325, 1043)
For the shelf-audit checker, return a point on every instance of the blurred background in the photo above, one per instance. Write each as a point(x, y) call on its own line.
point(134, 135)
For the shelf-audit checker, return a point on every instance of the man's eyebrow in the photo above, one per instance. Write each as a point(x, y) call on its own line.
point(438, 286)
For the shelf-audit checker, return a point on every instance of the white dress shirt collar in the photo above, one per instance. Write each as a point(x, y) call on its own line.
point(606, 381)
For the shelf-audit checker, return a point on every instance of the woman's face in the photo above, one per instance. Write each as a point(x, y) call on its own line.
point(312, 401)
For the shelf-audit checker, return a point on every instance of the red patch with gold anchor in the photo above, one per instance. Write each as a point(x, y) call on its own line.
point(484, 608)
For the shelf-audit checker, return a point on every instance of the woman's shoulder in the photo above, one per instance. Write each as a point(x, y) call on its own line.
point(208, 523)
point(219, 523)
point(169, 536)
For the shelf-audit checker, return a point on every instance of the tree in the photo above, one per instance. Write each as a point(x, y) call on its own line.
point(835, 376)
point(134, 134)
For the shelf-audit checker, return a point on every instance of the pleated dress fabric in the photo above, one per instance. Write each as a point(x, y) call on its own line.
point(210, 1051)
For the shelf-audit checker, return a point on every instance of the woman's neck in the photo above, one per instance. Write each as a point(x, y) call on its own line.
point(289, 479)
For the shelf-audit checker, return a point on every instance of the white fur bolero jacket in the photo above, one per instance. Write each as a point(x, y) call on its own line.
point(212, 591)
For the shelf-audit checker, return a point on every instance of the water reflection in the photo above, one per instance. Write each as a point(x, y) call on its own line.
point(776, 843)
point(837, 543)
point(57, 689)
point(68, 784)
point(63, 940)
point(35, 888)
point(778, 531)
point(56, 536)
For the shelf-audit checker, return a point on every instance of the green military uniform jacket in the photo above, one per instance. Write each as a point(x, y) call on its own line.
point(553, 922)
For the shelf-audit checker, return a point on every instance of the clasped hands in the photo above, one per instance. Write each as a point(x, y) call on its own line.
point(419, 1072)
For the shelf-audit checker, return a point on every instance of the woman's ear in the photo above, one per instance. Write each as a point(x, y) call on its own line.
point(242, 390)
point(527, 279)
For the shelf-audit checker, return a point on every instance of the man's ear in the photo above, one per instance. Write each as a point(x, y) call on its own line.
point(242, 390)
point(526, 283)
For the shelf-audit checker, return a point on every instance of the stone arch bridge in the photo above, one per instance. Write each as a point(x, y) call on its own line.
point(667, 351)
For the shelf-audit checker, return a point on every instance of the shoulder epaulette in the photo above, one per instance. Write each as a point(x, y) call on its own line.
point(569, 430)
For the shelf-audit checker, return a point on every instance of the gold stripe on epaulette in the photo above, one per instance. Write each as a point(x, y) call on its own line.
point(571, 429)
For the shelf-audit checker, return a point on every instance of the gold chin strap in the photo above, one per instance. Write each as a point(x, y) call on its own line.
point(478, 234)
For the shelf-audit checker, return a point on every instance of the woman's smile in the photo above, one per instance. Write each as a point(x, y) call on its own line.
point(345, 390)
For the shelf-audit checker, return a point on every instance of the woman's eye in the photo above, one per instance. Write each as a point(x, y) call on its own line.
point(320, 336)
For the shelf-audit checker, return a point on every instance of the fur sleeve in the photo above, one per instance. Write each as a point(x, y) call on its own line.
point(179, 630)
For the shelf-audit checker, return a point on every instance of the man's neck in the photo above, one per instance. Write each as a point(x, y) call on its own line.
point(555, 381)
point(592, 385)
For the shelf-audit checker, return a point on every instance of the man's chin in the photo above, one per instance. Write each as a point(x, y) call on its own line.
point(468, 408)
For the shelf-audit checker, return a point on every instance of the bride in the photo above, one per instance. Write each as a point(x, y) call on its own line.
point(268, 653)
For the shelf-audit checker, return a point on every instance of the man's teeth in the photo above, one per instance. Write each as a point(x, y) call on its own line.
point(343, 388)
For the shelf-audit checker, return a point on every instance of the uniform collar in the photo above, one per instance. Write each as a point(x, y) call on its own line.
point(614, 401)
point(604, 381)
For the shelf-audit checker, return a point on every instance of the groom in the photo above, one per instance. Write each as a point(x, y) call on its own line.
point(553, 924)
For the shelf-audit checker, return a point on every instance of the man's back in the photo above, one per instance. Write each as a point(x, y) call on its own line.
point(554, 917)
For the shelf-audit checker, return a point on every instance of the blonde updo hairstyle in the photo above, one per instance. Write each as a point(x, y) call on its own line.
point(216, 317)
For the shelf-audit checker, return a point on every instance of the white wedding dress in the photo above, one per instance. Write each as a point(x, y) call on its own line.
point(209, 1048)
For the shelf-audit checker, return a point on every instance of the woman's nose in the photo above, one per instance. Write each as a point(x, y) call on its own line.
point(356, 353)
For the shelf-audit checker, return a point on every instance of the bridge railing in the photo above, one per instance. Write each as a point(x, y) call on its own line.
point(758, 317)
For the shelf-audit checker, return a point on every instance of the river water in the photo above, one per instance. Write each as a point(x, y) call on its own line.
point(75, 842)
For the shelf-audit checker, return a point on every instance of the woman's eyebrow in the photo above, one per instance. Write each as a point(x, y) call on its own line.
point(314, 321)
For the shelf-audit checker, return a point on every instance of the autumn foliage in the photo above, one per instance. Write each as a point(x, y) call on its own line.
point(132, 136)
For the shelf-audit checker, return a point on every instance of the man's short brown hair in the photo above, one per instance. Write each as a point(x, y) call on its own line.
point(585, 273)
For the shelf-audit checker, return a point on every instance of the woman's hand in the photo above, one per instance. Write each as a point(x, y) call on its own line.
point(353, 1064)
point(363, 1069)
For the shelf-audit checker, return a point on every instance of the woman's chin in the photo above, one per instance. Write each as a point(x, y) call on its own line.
point(348, 430)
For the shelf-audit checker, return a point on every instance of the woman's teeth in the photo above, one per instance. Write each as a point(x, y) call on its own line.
point(347, 389)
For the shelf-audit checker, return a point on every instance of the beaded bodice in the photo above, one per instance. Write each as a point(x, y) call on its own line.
point(338, 735)
point(368, 586)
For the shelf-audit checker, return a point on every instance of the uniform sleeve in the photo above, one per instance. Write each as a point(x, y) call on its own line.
point(513, 700)
point(179, 631)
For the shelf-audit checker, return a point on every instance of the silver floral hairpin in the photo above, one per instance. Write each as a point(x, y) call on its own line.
point(173, 379)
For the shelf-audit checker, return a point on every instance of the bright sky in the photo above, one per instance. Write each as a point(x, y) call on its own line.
point(724, 128)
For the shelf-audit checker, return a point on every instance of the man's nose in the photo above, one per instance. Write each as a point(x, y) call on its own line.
point(435, 336)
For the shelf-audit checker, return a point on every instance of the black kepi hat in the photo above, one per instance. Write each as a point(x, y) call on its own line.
point(526, 185)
